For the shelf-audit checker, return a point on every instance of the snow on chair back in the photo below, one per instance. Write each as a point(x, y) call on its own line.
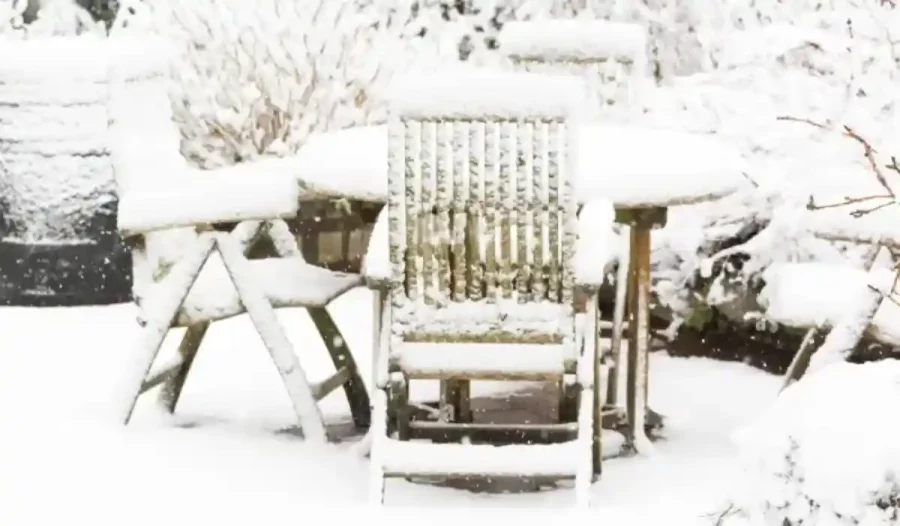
point(481, 211)
point(612, 55)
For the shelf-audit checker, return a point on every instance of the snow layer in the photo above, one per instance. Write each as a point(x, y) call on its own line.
point(597, 245)
point(573, 39)
point(636, 167)
point(873, 221)
point(628, 165)
point(486, 93)
point(828, 451)
point(231, 453)
point(197, 199)
point(84, 58)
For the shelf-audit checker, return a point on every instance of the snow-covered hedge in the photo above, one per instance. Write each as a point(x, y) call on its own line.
point(827, 453)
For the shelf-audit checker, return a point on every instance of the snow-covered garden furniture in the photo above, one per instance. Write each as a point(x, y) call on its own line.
point(482, 234)
point(631, 167)
point(612, 56)
point(175, 218)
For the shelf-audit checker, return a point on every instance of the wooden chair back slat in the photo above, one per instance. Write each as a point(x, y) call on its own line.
point(487, 210)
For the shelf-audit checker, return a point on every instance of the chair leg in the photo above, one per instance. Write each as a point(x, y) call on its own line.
point(355, 389)
point(619, 312)
point(272, 333)
point(187, 349)
point(589, 429)
point(378, 432)
point(161, 311)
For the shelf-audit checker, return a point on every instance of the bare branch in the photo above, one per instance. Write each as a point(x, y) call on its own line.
point(869, 153)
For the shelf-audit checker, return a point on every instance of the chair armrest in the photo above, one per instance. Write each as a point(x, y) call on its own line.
point(597, 246)
point(376, 266)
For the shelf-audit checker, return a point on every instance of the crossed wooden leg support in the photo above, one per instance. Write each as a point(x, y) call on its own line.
point(162, 308)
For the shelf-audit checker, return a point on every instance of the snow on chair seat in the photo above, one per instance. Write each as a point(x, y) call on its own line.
point(796, 295)
point(482, 361)
point(479, 235)
point(285, 282)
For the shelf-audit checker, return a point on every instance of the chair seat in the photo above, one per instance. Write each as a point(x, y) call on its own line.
point(286, 282)
point(505, 320)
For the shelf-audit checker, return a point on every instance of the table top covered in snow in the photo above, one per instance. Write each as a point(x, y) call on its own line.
point(631, 166)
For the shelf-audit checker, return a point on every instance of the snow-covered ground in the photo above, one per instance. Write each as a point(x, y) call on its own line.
point(225, 457)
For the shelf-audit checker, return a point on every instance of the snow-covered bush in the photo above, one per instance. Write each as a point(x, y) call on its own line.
point(827, 62)
point(827, 453)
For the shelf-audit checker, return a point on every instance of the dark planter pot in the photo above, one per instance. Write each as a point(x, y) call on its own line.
point(93, 271)
point(58, 239)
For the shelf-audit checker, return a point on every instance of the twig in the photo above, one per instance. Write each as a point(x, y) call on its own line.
point(868, 150)
point(847, 201)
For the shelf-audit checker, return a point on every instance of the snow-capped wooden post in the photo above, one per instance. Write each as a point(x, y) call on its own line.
point(59, 245)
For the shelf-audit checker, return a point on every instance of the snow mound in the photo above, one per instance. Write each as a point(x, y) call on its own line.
point(828, 451)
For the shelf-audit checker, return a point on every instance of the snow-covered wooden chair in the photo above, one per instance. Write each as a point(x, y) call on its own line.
point(175, 218)
point(612, 56)
point(481, 282)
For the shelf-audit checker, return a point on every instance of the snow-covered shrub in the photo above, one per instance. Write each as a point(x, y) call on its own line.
point(827, 453)
point(828, 62)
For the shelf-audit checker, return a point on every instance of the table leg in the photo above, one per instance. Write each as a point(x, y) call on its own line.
point(638, 337)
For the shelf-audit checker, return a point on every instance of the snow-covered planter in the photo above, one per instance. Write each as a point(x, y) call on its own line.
point(827, 453)
point(59, 243)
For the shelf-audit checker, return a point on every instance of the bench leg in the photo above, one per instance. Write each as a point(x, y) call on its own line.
point(354, 389)
point(187, 350)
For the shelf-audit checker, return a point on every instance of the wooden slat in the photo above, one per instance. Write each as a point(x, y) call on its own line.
point(426, 215)
point(475, 217)
point(491, 202)
point(444, 198)
point(413, 168)
point(506, 184)
point(162, 373)
point(459, 197)
point(540, 200)
point(524, 152)
point(553, 215)
point(325, 387)
point(568, 220)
